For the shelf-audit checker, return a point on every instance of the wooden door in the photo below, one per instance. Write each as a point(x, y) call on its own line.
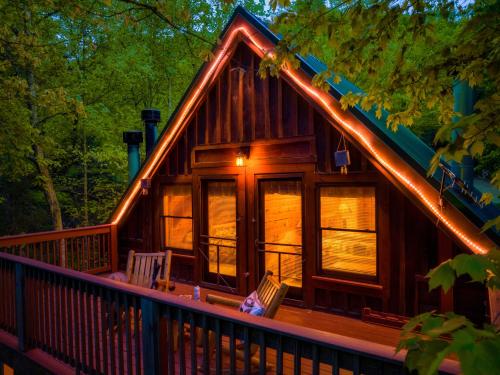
point(279, 238)
point(222, 240)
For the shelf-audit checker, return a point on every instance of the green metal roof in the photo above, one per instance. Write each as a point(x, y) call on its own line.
point(406, 143)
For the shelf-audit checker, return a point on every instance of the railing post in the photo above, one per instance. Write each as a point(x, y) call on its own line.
point(150, 336)
point(62, 253)
point(114, 247)
point(20, 315)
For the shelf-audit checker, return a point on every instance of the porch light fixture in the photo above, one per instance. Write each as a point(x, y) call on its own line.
point(240, 159)
point(241, 156)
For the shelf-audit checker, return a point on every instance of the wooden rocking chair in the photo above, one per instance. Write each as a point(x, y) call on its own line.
point(140, 269)
point(271, 294)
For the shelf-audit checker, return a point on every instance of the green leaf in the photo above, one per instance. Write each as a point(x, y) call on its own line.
point(441, 276)
point(475, 266)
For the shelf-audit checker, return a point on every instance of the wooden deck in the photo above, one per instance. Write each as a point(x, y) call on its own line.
point(92, 324)
point(321, 321)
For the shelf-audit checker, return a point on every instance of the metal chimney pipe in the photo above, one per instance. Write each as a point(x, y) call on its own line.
point(133, 138)
point(464, 100)
point(151, 118)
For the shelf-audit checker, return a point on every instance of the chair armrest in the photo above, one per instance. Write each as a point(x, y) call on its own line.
point(213, 299)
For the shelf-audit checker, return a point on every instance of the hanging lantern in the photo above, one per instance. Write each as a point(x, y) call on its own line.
point(342, 158)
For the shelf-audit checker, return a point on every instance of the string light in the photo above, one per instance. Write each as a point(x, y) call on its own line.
point(426, 194)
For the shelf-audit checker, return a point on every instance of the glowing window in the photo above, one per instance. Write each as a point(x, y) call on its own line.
point(348, 230)
point(177, 217)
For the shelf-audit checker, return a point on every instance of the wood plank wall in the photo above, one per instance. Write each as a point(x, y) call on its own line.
point(241, 108)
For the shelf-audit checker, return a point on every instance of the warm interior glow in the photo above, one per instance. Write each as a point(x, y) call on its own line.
point(387, 158)
point(240, 161)
point(348, 237)
point(221, 205)
point(282, 202)
point(177, 217)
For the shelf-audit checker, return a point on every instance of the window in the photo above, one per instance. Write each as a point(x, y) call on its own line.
point(177, 217)
point(348, 230)
point(221, 204)
point(281, 206)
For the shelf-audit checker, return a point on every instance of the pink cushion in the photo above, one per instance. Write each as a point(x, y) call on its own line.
point(252, 305)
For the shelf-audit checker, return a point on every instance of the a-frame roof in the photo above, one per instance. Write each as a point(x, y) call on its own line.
point(400, 155)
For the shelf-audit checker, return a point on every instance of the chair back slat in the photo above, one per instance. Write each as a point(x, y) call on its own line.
point(271, 293)
point(140, 267)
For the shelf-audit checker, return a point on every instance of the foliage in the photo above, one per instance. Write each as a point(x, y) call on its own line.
point(406, 56)
point(431, 337)
point(73, 76)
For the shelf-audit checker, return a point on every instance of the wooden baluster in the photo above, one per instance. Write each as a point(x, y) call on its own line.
point(181, 346)
point(232, 349)
point(193, 339)
point(335, 363)
point(205, 344)
point(56, 303)
point(98, 342)
point(89, 331)
point(246, 350)
point(262, 353)
point(355, 364)
point(150, 339)
point(76, 327)
point(315, 360)
point(20, 316)
point(279, 356)
point(297, 359)
point(128, 327)
point(83, 330)
point(218, 347)
point(104, 331)
point(137, 347)
point(64, 318)
point(170, 342)
point(70, 320)
point(111, 330)
point(119, 317)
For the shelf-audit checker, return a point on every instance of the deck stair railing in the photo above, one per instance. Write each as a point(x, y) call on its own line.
point(88, 249)
point(98, 326)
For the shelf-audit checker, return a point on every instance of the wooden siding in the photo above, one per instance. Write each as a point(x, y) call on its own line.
point(286, 134)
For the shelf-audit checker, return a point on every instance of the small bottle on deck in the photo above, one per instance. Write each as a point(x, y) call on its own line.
point(196, 293)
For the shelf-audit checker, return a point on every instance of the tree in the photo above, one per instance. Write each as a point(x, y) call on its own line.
point(406, 55)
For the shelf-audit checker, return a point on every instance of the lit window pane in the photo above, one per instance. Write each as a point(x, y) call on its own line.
point(354, 252)
point(348, 208)
point(222, 227)
point(283, 226)
point(177, 201)
point(177, 211)
point(179, 233)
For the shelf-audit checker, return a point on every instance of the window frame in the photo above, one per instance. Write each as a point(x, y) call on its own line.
point(345, 274)
point(178, 250)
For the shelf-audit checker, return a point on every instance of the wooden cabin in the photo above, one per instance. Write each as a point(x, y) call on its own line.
point(244, 179)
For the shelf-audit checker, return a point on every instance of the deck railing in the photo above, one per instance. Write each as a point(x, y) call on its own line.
point(100, 326)
point(89, 249)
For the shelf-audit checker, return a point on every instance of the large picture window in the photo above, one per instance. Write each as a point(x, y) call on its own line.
point(348, 230)
point(178, 217)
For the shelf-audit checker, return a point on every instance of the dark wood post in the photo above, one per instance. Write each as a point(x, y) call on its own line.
point(20, 315)
point(150, 337)
point(114, 247)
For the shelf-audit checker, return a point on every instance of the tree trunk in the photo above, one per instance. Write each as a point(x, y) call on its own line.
point(48, 187)
point(39, 157)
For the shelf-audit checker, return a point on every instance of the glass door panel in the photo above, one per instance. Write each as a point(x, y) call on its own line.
point(220, 232)
point(281, 229)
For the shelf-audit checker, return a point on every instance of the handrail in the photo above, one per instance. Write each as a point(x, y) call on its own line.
point(19, 239)
point(155, 304)
point(91, 249)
